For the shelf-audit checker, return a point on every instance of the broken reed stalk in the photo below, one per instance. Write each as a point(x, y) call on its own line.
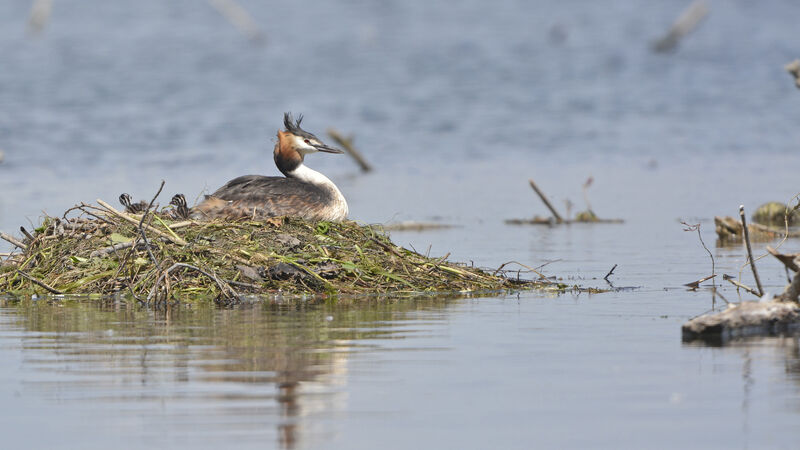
point(696, 284)
point(610, 272)
point(239, 18)
point(150, 228)
point(546, 202)
point(792, 291)
point(41, 283)
point(750, 251)
point(141, 223)
point(794, 69)
point(688, 21)
point(790, 261)
point(586, 186)
point(12, 240)
point(347, 144)
point(40, 15)
point(739, 285)
point(25, 232)
point(696, 227)
point(541, 275)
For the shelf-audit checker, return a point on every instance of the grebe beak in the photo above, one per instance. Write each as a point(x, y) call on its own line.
point(326, 149)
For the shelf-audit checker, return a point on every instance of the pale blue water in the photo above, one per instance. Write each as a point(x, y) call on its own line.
point(456, 105)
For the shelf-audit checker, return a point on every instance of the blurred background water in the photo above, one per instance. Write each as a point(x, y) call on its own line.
point(456, 104)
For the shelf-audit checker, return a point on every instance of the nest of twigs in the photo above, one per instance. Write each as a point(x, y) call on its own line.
point(95, 249)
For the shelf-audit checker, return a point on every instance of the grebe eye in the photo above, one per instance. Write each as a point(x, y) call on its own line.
point(307, 141)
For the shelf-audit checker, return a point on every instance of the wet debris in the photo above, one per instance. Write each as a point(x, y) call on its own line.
point(696, 284)
point(730, 230)
point(771, 220)
point(284, 271)
point(776, 214)
point(411, 225)
point(587, 216)
point(287, 241)
point(743, 320)
point(152, 257)
point(771, 315)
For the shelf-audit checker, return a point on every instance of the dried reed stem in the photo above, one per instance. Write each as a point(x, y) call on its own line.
point(12, 240)
point(347, 143)
point(546, 202)
point(750, 251)
point(147, 227)
point(33, 280)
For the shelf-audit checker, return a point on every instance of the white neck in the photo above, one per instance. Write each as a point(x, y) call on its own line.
point(304, 173)
point(338, 209)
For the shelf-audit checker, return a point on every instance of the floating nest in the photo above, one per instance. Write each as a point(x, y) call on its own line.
point(95, 249)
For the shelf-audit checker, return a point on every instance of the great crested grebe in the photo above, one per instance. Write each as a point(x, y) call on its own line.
point(303, 192)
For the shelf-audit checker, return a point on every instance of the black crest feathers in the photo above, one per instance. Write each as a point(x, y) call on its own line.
point(293, 126)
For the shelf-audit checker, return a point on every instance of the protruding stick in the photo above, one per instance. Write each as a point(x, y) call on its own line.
point(33, 280)
point(750, 251)
point(610, 272)
point(688, 21)
point(239, 17)
point(696, 284)
point(40, 15)
point(147, 227)
point(25, 232)
point(733, 281)
point(347, 143)
point(788, 260)
point(12, 240)
point(546, 202)
point(792, 291)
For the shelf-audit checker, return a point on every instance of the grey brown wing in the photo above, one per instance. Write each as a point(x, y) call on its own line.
point(256, 195)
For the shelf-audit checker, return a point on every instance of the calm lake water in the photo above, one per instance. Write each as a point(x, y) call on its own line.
point(457, 105)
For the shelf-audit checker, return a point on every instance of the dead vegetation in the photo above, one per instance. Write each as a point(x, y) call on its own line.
point(97, 249)
point(768, 316)
point(771, 220)
point(794, 70)
point(587, 216)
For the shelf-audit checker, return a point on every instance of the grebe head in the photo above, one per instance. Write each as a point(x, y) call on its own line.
point(294, 143)
point(301, 140)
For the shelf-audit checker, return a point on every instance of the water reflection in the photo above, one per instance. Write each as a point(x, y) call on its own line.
point(257, 371)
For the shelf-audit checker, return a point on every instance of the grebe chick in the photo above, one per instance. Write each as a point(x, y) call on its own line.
point(181, 210)
point(132, 208)
point(303, 193)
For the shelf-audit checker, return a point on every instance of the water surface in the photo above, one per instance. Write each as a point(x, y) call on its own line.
point(456, 105)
